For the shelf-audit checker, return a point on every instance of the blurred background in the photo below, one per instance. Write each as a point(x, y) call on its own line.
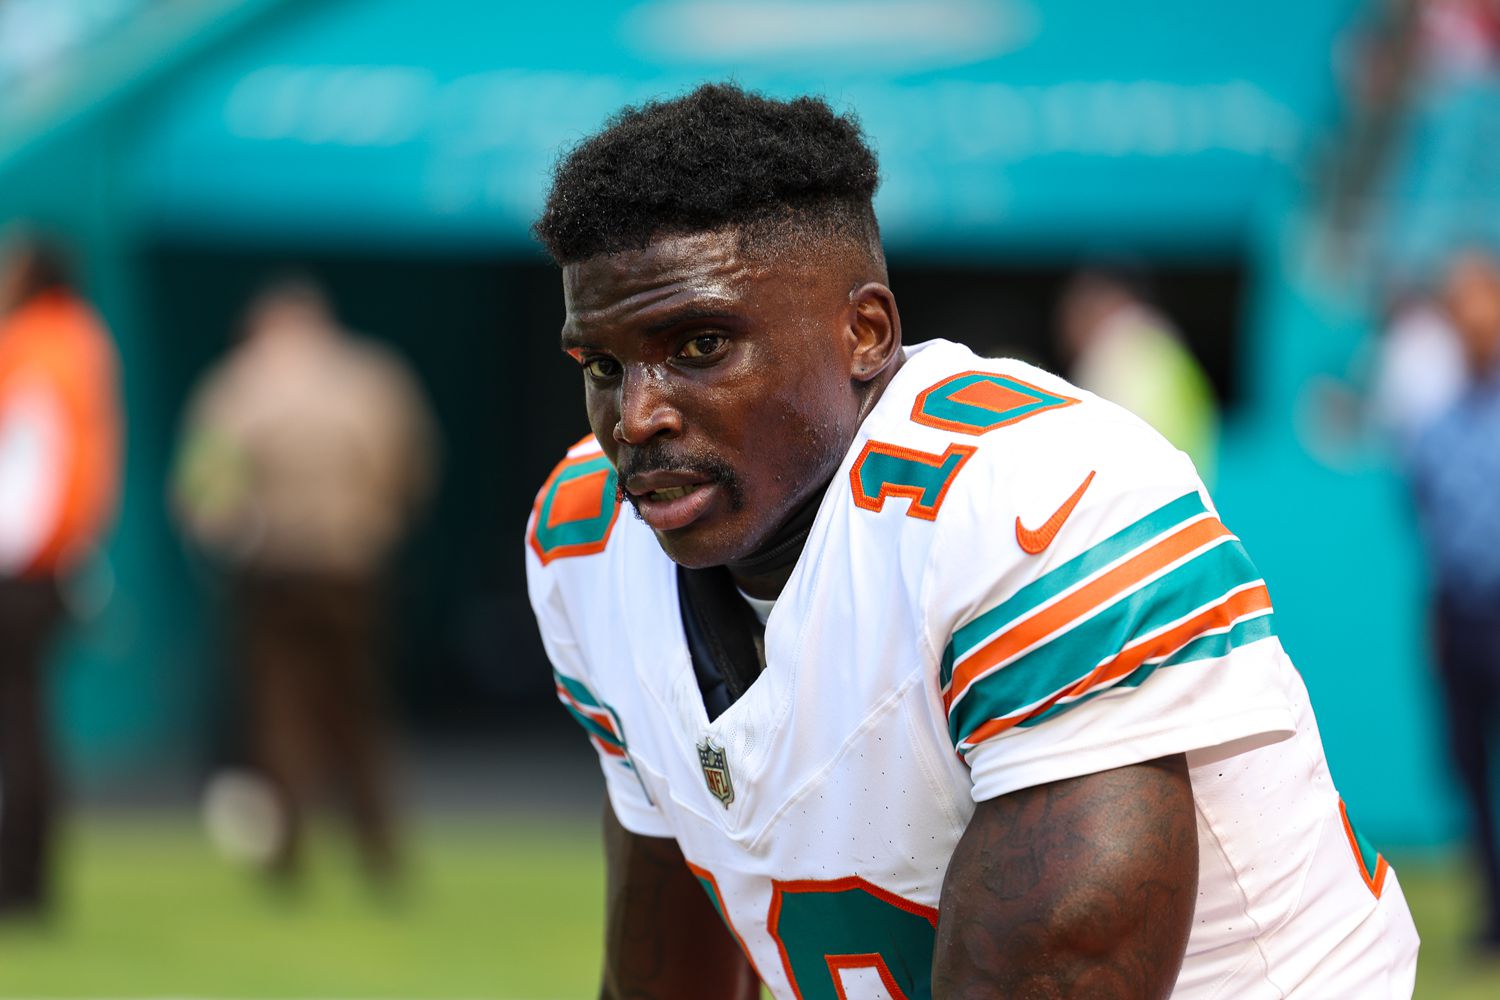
point(316, 212)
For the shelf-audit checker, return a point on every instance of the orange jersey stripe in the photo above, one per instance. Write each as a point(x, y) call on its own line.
point(604, 747)
point(1221, 615)
point(1376, 884)
point(1082, 601)
point(598, 716)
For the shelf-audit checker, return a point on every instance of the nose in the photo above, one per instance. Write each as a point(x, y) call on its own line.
point(646, 411)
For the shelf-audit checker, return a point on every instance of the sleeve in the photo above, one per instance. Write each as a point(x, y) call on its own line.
point(1131, 625)
point(632, 803)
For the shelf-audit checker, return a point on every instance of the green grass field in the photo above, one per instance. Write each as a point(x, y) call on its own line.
point(491, 910)
point(494, 909)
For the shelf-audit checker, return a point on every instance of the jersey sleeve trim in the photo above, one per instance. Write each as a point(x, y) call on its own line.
point(600, 722)
point(967, 638)
point(1174, 587)
point(597, 719)
point(607, 734)
point(1373, 867)
point(1215, 738)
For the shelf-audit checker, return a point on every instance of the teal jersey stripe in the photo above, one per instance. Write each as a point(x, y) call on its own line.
point(1203, 648)
point(1369, 858)
point(1079, 568)
point(594, 728)
point(1070, 655)
point(713, 897)
point(579, 692)
point(1208, 647)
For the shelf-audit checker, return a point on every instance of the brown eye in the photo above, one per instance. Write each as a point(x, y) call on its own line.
point(702, 347)
point(601, 368)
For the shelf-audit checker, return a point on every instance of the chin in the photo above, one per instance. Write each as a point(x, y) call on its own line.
point(693, 553)
point(699, 547)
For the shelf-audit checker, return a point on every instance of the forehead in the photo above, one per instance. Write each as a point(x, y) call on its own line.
point(699, 271)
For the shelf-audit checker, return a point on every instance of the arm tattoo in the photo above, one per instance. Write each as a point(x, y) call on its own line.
point(663, 940)
point(1079, 888)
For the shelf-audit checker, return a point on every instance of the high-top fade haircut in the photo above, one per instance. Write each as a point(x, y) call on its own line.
point(783, 173)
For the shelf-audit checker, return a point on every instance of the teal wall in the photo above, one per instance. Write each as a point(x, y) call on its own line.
point(1000, 123)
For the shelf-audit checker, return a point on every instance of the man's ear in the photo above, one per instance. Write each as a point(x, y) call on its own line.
point(875, 330)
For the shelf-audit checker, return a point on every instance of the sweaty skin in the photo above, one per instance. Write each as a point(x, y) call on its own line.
point(1081, 888)
point(663, 939)
point(726, 385)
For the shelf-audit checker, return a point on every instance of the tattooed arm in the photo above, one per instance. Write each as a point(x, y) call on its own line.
point(663, 939)
point(1079, 888)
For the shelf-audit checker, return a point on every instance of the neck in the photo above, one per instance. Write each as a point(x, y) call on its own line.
point(764, 572)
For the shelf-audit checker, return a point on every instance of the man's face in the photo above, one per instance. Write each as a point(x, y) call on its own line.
point(717, 381)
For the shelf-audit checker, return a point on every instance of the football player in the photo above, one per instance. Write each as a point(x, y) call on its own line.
point(912, 673)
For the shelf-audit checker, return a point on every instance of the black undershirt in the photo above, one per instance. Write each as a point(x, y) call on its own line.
point(724, 637)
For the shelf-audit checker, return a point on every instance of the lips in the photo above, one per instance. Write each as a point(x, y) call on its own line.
point(670, 500)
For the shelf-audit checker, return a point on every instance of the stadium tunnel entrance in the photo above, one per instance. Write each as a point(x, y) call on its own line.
point(1010, 309)
point(480, 332)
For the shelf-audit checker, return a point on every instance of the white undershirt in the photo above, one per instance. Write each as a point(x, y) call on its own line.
point(762, 608)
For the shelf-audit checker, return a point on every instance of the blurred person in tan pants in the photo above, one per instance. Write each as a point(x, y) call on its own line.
point(60, 427)
point(305, 457)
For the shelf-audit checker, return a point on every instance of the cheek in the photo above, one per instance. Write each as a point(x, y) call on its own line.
point(819, 403)
point(602, 416)
point(802, 434)
point(595, 399)
point(818, 427)
point(808, 407)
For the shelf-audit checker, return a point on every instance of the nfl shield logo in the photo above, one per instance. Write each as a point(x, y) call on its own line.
point(716, 771)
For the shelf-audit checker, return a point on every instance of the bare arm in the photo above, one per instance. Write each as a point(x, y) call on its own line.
point(663, 939)
point(1079, 888)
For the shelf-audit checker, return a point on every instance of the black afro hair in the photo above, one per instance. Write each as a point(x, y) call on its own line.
point(716, 157)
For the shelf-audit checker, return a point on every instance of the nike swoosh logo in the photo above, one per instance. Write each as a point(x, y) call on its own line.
point(1035, 541)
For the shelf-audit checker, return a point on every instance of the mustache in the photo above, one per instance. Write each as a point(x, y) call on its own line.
point(658, 457)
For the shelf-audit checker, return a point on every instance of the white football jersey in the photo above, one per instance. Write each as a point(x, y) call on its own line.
point(1009, 582)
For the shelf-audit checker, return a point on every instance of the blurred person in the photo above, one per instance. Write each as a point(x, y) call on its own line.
point(1120, 347)
point(1458, 38)
point(306, 455)
point(1418, 80)
point(60, 427)
point(1419, 370)
point(1455, 476)
point(915, 670)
